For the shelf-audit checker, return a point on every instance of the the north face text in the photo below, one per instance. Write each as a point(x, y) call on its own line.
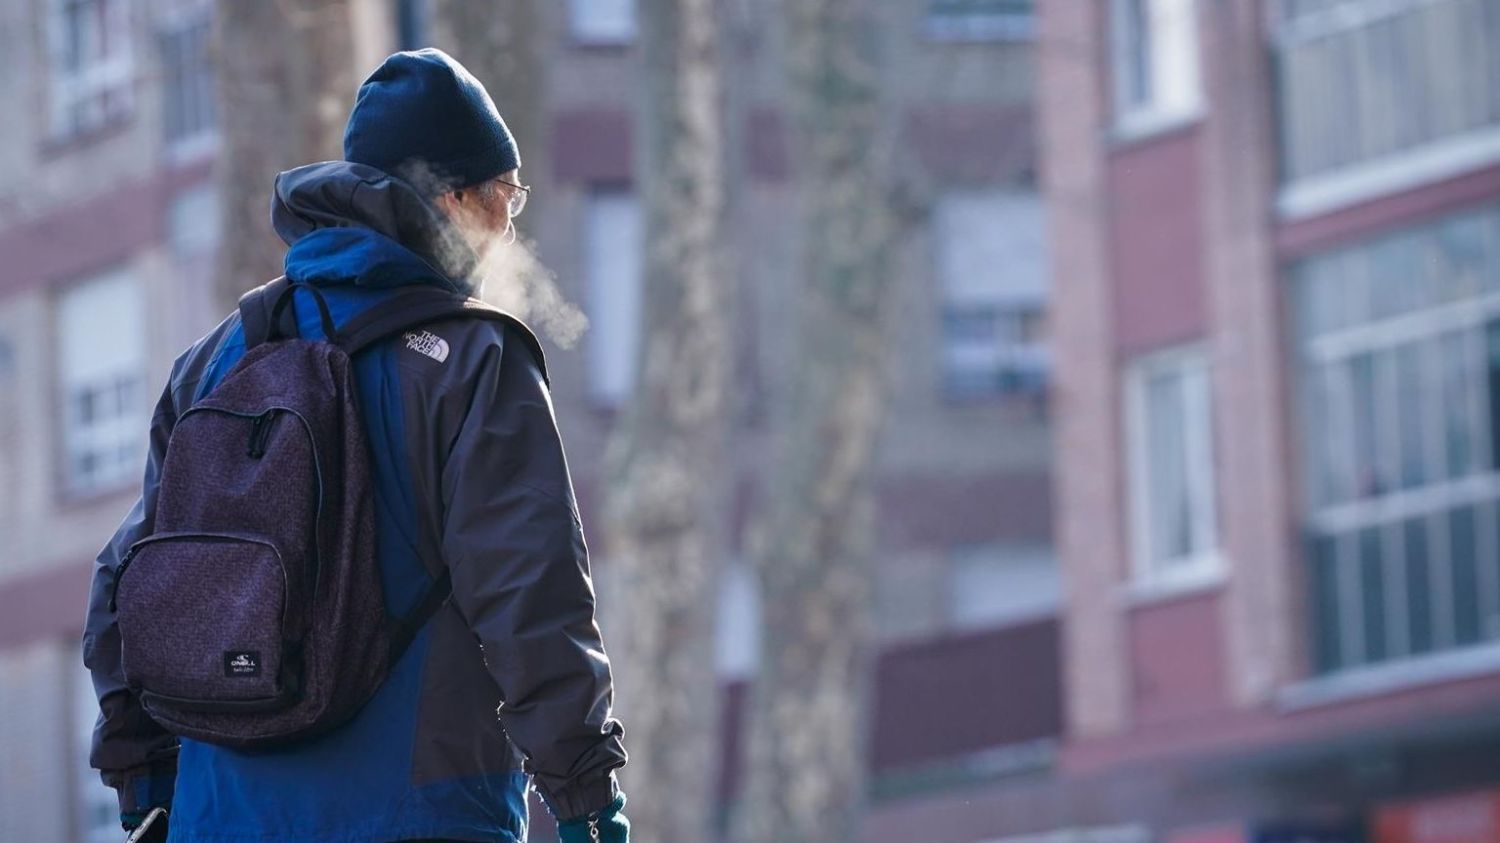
point(428, 343)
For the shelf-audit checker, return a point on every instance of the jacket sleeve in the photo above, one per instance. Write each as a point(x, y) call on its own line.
point(515, 551)
point(135, 756)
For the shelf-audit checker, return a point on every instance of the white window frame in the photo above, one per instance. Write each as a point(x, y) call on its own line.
point(203, 139)
point(128, 426)
point(1174, 50)
point(66, 89)
point(1326, 355)
point(589, 31)
point(736, 626)
point(1401, 168)
point(1013, 269)
point(1204, 566)
point(609, 384)
point(1032, 585)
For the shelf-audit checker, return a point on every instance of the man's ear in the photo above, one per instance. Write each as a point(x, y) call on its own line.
point(449, 203)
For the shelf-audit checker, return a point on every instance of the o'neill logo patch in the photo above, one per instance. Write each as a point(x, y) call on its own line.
point(428, 343)
point(239, 663)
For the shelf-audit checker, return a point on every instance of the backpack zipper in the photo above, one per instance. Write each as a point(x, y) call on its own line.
point(317, 566)
point(114, 587)
point(260, 433)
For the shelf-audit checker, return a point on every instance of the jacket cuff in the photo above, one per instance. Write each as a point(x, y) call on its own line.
point(577, 801)
point(142, 788)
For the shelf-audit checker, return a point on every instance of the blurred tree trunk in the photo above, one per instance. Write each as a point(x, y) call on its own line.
point(812, 548)
point(501, 43)
point(286, 83)
point(666, 462)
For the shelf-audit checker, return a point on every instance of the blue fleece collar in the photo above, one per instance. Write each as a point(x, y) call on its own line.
point(330, 257)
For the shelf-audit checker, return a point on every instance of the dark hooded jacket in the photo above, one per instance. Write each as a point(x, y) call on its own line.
point(470, 474)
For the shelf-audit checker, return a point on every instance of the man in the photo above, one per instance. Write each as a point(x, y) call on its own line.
point(469, 474)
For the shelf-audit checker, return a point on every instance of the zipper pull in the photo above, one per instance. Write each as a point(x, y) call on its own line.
point(594, 829)
point(260, 431)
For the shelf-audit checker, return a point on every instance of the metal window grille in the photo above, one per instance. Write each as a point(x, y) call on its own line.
point(981, 20)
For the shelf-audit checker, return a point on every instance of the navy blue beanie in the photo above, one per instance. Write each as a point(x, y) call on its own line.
point(421, 116)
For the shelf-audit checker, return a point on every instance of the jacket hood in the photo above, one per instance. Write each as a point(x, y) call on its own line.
point(350, 223)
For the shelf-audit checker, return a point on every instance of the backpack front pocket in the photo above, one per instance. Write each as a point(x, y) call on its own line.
point(203, 621)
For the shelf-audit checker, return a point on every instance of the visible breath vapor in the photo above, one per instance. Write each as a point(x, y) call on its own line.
point(511, 277)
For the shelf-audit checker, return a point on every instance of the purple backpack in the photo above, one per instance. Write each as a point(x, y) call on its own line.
point(254, 614)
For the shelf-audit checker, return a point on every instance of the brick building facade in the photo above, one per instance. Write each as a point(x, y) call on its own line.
point(1276, 229)
point(108, 227)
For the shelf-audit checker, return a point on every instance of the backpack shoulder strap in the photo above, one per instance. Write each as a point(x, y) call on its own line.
point(418, 306)
point(255, 311)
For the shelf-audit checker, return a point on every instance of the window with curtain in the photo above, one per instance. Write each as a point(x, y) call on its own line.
point(1398, 342)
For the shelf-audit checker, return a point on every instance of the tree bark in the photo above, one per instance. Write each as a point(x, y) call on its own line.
point(813, 544)
point(666, 460)
point(286, 83)
point(501, 43)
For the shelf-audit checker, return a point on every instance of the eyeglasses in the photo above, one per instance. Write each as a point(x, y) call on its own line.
point(515, 200)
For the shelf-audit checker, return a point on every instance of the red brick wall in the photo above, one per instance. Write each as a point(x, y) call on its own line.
point(1156, 242)
point(1177, 660)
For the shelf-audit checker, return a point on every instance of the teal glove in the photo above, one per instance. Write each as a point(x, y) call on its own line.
point(604, 826)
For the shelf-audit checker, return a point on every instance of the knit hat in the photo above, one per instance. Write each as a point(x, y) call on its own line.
point(423, 117)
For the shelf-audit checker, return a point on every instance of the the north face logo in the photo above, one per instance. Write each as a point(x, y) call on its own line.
point(242, 663)
point(428, 343)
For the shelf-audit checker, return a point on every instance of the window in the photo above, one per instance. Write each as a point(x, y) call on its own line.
point(602, 21)
point(1399, 348)
point(612, 251)
point(98, 808)
point(91, 70)
point(992, 260)
point(1172, 493)
point(189, 111)
point(980, 20)
point(1155, 64)
point(995, 584)
point(1374, 83)
point(737, 636)
point(102, 355)
point(193, 221)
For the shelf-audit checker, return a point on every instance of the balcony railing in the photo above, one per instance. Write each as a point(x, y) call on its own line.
point(1365, 82)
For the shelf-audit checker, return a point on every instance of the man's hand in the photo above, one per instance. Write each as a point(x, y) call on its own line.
point(605, 826)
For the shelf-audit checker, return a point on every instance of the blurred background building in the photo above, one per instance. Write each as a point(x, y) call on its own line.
point(108, 230)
